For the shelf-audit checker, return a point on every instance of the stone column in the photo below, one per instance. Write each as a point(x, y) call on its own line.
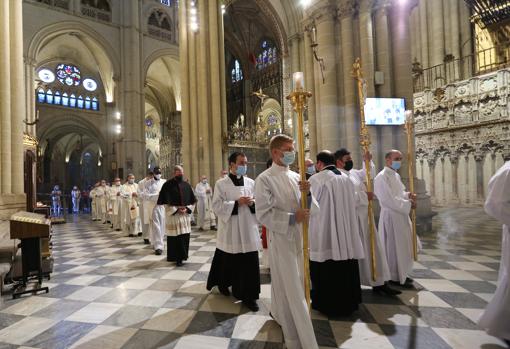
point(424, 34)
point(350, 124)
point(310, 85)
point(30, 96)
point(203, 116)
point(454, 160)
point(437, 32)
point(327, 107)
point(479, 157)
point(132, 105)
point(12, 108)
point(466, 38)
point(432, 171)
point(455, 28)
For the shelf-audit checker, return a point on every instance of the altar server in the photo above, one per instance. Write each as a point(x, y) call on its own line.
point(102, 198)
point(130, 208)
point(154, 214)
point(75, 198)
point(394, 222)
point(358, 177)
point(179, 200)
point(144, 219)
point(56, 201)
point(94, 202)
point(335, 243)
point(115, 204)
point(496, 315)
point(206, 218)
point(278, 191)
point(236, 259)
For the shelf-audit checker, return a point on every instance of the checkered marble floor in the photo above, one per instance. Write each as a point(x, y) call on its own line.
point(111, 291)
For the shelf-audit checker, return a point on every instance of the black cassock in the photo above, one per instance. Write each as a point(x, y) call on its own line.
point(176, 192)
point(239, 270)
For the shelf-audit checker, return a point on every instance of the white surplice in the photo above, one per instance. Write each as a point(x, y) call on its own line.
point(496, 318)
point(358, 178)
point(206, 218)
point(334, 232)
point(93, 203)
point(130, 209)
point(278, 197)
point(102, 199)
point(115, 205)
point(144, 219)
point(394, 223)
point(236, 233)
point(155, 220)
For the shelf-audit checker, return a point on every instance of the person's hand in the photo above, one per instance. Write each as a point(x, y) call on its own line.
point(243, 200)
point(183, 210)
point(251, 201)
point(132, 207)
point(135, 195)
point(208, 191)
point(412, 196)
point(118, 194)
point(370, 195)
point(304, 186)
point(302, 214)
point(367, 156)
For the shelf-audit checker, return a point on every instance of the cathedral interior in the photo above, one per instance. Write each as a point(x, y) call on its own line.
point(93, 90)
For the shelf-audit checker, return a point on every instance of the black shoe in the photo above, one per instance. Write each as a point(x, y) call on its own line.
point(179, 263)
point(251, 304)
point(146, 241)
point(193, 224)
point(118, 229)
point(507, 341)
point(385, 290)
point(213, 228)
point(139, 234)
point(131, 235)
point(224, 291)
point(158, 252)
point(105, 222)
point(201, 229)
point(406, 285)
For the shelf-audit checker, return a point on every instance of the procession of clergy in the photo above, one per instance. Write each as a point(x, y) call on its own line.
point(339, 237)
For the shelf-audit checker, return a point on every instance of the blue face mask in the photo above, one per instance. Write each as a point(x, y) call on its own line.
point(396, 165)
point(241, 170)
point(310, 170)
point(288, 157)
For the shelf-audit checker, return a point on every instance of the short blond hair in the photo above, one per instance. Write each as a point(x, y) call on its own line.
point(279, 140)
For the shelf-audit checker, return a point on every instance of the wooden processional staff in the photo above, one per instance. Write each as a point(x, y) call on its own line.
point(409, 127)
point(365, 144)
point(298, 98)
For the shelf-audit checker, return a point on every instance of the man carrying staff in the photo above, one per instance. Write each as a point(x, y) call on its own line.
point(236, 259)
point(278, 191)
point(179, 200)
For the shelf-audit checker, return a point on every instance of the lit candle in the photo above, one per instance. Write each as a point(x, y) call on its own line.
point(298, 79)
point(314, 35)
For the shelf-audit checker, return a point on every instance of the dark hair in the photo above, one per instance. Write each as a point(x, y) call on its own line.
point(326, 157)
point(340, 153)
point(269, 163)
point(232, 159)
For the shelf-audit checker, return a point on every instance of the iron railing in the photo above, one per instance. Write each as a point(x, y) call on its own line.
point(453, 70)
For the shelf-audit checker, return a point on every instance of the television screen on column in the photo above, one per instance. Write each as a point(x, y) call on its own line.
point(385, 111)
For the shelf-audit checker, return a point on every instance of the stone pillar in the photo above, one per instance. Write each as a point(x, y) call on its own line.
point(454, 160)
point(432, 172)
point(310, 85)
point(350, 124)
point(466, 38)
point(425, 63)
point(203, 95)
point(12, 108)
point(30, 96)
point(479, 157)
point(437, 32)
point(132, 157)
point(327, 103)
point(455, 28)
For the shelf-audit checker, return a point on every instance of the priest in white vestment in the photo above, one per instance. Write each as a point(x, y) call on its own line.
point(75, 197)
point(205, 216)
point(236, 259)
point(154, 213)
point(358, 177)
point(178, 199)
point(496, 318)
point(94, 202)
point(115, 204)
point(101, 200)
point(278, 192)
point(394, 222)
point(335, 243)
point(144, 218)
point(130, 208)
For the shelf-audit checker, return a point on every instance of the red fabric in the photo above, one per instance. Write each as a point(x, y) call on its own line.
point(264, 237)
point(252, 58)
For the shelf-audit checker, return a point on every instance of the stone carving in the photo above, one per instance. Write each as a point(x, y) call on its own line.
point(469, 123)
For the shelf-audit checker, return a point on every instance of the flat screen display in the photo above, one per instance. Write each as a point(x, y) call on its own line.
point(385, 111)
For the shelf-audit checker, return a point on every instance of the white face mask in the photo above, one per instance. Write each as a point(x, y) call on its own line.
point(157, 176)
point(204, 181)
point(131, 181)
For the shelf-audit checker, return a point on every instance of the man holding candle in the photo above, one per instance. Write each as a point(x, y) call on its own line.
point(278, 191)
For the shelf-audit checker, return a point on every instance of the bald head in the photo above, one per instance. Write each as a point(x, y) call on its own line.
point(393, 159)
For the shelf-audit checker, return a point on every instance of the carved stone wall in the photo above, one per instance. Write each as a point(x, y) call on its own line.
point(462, 137)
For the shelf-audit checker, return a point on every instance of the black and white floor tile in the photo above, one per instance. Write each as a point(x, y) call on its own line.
point(111, 291)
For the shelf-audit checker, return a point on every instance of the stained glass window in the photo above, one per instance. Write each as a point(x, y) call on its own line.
point(94, 104)
point(58, 98)
point(237, 72)
point(80, 102)
point(41, 96)
point(65, 99)
point(87, 102)
point(72, 101)
point(166, 2)
point(49, 97)
point(68, 75)
point(267, 55)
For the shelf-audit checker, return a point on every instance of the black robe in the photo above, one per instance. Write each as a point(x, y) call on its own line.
point(239, 270)
point(336, 286)
point(176, 192)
